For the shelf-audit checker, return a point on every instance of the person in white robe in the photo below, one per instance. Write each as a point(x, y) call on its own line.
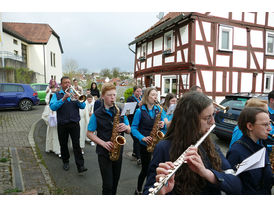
point(49, 116)
point(89, 111)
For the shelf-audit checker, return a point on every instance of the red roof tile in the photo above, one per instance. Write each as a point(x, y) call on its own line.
point(33, 33)
point(168, 16)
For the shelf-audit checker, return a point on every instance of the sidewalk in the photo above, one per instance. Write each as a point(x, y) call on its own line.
point(21, 172)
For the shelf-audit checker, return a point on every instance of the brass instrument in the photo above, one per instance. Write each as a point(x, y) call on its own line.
point(178, 163)
point(271, 158)
point(225, 109)
point(72, 91)
point(155, 133)
point(116, 139)
point(271, 136)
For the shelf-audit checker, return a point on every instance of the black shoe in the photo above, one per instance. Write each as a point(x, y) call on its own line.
point(137, 192)
point(134, 155)
point(139, 162)
point(82, 169)
point(66, 166)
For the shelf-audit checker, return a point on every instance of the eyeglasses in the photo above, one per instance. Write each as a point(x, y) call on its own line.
point(208, 118)
point(266, 125)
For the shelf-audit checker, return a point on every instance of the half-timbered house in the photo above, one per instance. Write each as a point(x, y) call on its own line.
point(222, 53)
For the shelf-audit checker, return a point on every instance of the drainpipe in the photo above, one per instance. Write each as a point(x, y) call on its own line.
point(44, 63)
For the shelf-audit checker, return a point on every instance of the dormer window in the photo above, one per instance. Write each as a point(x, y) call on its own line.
point(270, 43)
point(225, 38)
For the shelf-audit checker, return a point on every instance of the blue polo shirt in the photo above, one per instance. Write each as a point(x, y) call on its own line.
point(67, 111)
point(92, 125)
point(56, 104)
point(137, 118)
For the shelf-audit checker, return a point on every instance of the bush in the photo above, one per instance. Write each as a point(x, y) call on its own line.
point(128, 93)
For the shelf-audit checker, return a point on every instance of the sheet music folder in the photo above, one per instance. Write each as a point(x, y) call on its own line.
point(129, 108)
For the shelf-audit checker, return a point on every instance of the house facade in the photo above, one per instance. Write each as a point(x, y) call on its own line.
point(33, 46)
point(223, 53)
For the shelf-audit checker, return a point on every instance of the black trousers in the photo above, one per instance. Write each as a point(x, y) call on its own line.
point(136, 146)
point(145, 158)
point(110, 172)
point(72, 129)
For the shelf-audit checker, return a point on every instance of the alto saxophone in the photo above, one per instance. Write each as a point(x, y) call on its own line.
point(117, 140)
point(155, 133)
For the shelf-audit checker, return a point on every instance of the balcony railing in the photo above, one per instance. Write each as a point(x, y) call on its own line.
point(10, 55)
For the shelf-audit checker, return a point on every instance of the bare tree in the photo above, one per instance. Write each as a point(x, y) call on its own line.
point(70, 65)
point(106, 73)
point(115, 72)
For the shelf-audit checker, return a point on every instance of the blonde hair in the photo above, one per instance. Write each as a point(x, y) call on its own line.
point(146, 94)
point(106, 87)
point(255, 102)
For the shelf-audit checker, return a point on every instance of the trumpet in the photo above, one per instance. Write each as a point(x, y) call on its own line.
point(271, 136)
point(178, 163)
point(225, 109)
point(73, 92)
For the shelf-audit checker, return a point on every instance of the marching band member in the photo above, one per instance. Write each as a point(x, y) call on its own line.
point(253, 102)
point(68, 124)
point(141, 127)
point(102, 122)
point(203, 173)
point(136, 97)
point(255, 124)
point(169, 106)
point(271, 104)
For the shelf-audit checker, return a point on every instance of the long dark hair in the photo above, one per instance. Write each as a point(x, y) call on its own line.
point(185, 131)
point(91, 88)
point(168, 97)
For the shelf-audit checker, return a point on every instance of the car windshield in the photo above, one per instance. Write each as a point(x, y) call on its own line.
point(237, 104)
point(43, 87)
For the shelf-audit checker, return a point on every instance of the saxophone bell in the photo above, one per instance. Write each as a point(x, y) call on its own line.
point(120, 140)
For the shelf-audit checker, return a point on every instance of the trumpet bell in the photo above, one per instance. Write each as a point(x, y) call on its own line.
point(82, 98)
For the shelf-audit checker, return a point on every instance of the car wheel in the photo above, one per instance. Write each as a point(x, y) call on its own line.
point(25, 105)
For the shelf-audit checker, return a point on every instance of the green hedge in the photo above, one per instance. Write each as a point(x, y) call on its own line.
point(128, 93)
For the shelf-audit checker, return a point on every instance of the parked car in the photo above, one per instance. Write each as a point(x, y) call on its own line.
point(21, 96)
point(41, 90)
point(225, 122)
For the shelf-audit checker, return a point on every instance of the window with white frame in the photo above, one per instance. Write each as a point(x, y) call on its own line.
point(168, 39)
point(52, 59)
point(225, 38)
point(169, 85)
point(270, 43)
point(268, 82)
point(143, 50)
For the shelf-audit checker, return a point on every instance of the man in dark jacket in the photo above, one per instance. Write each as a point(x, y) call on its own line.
point(68, 124)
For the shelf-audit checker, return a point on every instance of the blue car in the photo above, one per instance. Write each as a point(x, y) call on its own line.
point(22, 96)
point(225, 122)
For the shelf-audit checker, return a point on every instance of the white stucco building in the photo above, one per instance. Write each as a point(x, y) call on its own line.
point(35, 46)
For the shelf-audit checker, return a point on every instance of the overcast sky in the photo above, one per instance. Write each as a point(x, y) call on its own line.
point(96, 40)
point(97, 35)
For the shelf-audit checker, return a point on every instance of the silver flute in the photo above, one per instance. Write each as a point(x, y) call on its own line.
point(178, 163)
